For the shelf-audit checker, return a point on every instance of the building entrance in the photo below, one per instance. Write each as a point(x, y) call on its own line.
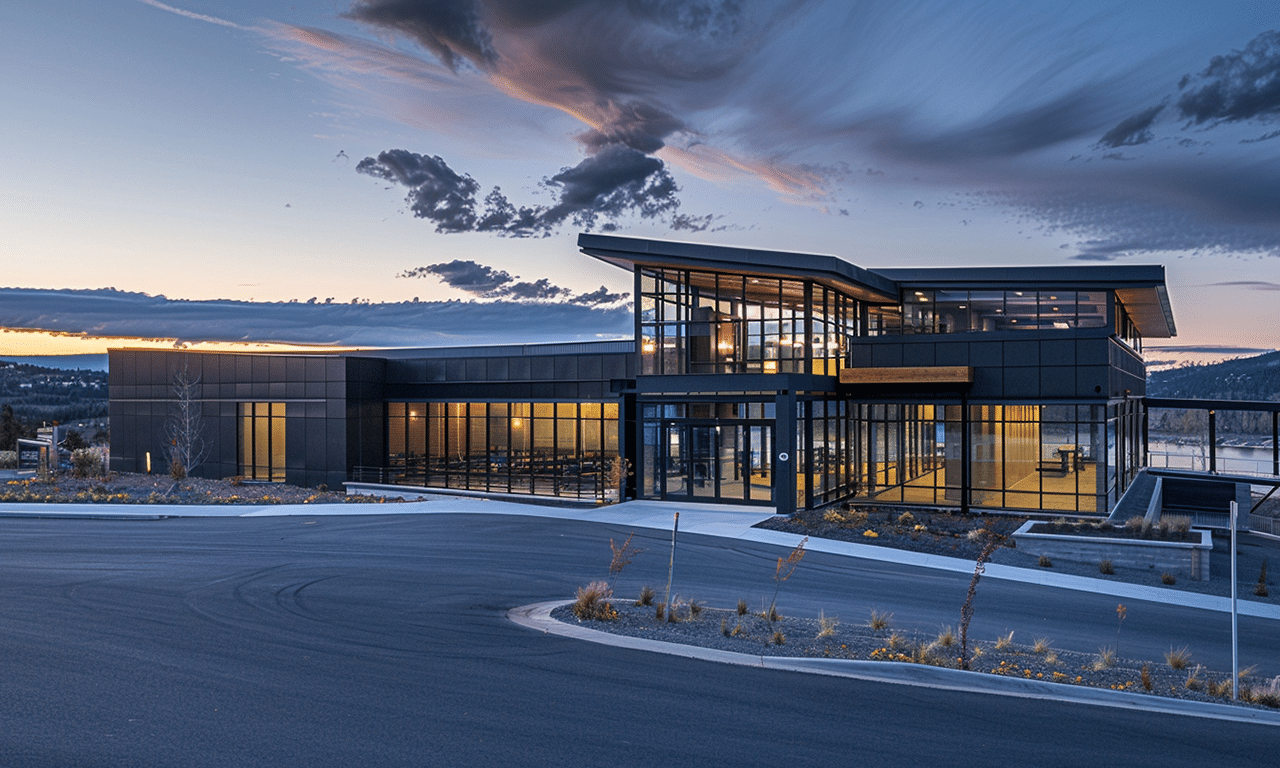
point(728, 461)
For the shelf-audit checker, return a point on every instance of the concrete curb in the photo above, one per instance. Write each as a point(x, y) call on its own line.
point(538, 617)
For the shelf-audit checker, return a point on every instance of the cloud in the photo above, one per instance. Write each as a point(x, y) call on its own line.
point(488, 283)
point(108, 312)
point(436, 193)
point(193, 15)
point(448, 28)
point(1132, 130)
point(1241, 85)
point(1257, 285)
point(612, 183)
point(469, 276)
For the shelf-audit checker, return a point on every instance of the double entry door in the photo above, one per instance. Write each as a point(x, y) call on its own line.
point(730, 461)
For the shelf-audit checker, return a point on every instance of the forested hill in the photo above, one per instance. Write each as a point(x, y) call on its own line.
point(39, 394)
point(1247, 378)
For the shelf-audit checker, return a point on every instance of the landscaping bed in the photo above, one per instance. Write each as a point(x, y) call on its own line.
point(933, 532)
point(1176, 676)
point(131, 488)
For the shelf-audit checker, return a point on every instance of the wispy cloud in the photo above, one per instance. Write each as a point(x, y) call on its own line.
point(193, 15)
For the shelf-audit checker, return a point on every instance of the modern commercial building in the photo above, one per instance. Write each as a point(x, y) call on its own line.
point(755, 377)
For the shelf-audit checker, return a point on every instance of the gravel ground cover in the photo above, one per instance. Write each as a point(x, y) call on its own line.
point(938, 532)
point(751, 633)
point(130, 488)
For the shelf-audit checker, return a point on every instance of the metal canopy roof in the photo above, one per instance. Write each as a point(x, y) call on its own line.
point(1140, 288)
point(627, 252)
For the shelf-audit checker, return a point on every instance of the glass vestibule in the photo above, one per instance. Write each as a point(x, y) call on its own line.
point(708, 451)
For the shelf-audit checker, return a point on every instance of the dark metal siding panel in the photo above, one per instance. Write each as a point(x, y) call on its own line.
point(886, 355)
point(1057, 381)
point(1021, 382)
point(1021, 353)
point(918, 354)
point(951, 353)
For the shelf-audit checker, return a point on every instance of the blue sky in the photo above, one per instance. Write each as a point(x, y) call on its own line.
point(273, 151)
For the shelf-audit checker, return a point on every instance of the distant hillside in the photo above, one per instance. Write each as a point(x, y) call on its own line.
point(38, 394)
point(1247, 378)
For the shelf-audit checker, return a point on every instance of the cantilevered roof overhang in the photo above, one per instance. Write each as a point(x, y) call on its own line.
point(1140, 287)
point(628, 252)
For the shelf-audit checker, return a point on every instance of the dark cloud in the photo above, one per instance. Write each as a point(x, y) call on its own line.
point(451, 29)
point(1241, 85)
point(488, 283)
point(108, 312)
point(640, 126)
point(1131, 131)
point(599, 297)
point(615, 182)
point(436, 193)
point(469, 276)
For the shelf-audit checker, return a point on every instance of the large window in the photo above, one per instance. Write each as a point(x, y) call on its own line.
point(550, 449)
point(705, 322)
point(708, 451)
point(958, 311)
point(261, 441)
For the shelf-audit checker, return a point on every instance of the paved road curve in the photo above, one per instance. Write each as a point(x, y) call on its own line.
point(381, 641)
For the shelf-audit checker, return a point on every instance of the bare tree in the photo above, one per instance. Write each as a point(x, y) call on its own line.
point(184, 429)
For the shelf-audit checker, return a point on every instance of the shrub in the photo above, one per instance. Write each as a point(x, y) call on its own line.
point(1106, 567)
point(742, 607)
point(1194, 682)
point(897, 641)
point(855, 519)
point(1261, 589)
point(1040, 645)
point(1051, 657)
point(1106, 659)
point(946, 637)
point(659, 611)
point(1004, 642)
point(1133, 524)
point(176, 470)
point(87, 462)
point(1181, 524)
point(646, 596)
point(695, 609)
point(1045, 562)
point(1178, 658)
point(832, 516)
point(906, 518)
point(1168, 578)
point(779, 638)
point(724, 626)
point(1146, 677)
point(827, 626)
point(879, 619)
point(592, 603)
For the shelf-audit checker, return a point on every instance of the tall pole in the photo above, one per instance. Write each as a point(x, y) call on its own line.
point(1235, 646)
point(671, 566)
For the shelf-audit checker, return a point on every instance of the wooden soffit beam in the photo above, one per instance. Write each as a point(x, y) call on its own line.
point(933, 374)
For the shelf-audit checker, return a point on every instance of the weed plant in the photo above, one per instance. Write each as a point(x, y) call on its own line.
point(1178, 658)
point(1004, 642)
point(592, 603)
point(646, 596)
point(879, 619)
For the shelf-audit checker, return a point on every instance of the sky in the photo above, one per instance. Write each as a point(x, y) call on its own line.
point(313, 172)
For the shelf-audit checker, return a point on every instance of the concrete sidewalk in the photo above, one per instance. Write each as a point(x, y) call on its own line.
point(721, 520)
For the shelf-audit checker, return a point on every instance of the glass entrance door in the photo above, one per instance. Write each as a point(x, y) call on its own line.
point(732, 462)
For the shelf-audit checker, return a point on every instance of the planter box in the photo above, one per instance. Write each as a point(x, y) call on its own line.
point(1184, 558)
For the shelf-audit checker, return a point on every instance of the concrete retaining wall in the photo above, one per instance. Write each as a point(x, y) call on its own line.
point(1181, 558)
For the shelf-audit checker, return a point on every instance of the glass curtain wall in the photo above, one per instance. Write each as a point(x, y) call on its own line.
point(1073, 458)
point(708, 451)
point(943, 311)
point(548, 449)
point(707, 322)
